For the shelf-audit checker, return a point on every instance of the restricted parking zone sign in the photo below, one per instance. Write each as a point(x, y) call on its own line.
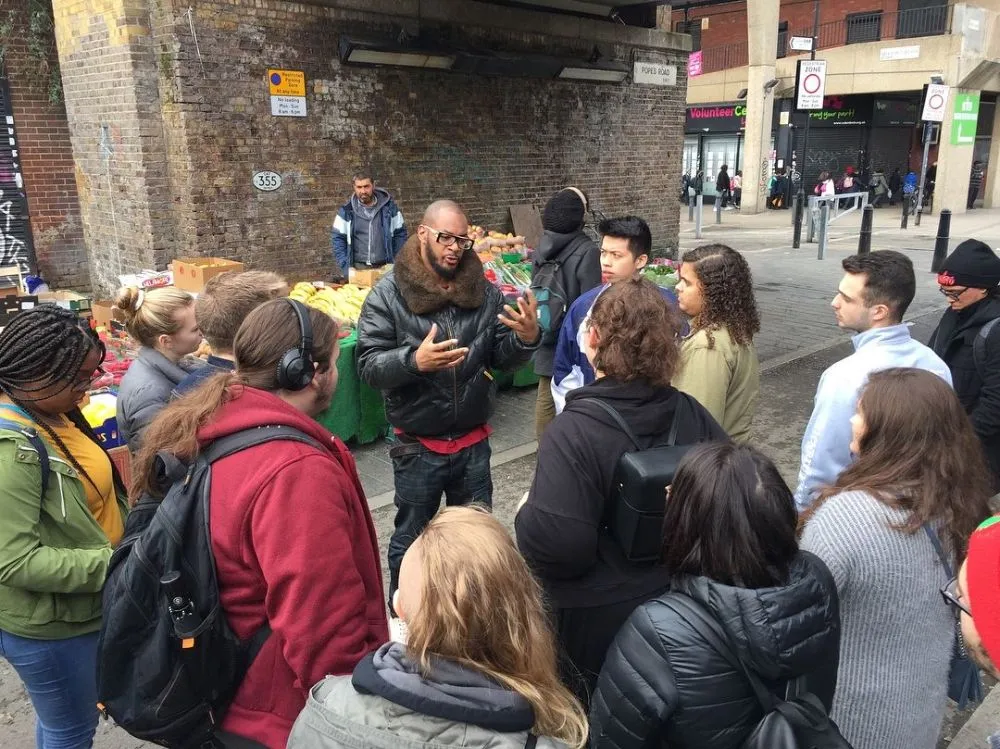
point(934, 102)
point(810, 84)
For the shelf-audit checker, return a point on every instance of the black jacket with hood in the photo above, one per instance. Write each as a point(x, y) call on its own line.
point(395, 319)
point(562, 529)
point(664, 684)
point(953, 341)
point(579, 271)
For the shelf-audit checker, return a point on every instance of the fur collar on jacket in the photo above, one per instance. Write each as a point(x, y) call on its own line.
point(424, 292)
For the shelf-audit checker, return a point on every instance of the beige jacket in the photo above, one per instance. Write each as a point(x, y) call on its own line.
point(725, 379)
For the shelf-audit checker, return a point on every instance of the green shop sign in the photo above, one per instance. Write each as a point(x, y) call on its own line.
point(964, 118)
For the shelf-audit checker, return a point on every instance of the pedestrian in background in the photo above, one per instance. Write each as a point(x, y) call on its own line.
point(735, 571)
point(968, 339)
point(722, 186)
point(369, 230)
point(163, 322)
point(631, 339)
point(895, 186)
point(566, 264)
point(975, 183)
point(919, 482)
point(719, 365)
point(872, 299)
point(439, 394)
point(57, 533)
point(736, 183)
point(478, 668)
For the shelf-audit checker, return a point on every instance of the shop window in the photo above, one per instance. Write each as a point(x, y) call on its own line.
point(694, 29)
point(864, 27)
point(782, 38)
point(922, 18)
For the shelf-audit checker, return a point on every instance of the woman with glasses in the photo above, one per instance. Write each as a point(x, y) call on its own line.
point(919, 481)
point(59, 523)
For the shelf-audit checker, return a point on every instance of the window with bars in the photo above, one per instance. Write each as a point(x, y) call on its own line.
point(694, 29)
point(782, 38)
point(864, 27)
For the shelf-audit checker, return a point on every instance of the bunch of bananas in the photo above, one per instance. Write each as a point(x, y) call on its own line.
point(343, 303)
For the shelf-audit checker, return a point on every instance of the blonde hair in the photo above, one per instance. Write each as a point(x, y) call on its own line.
point(150, 314)
point(489, 616)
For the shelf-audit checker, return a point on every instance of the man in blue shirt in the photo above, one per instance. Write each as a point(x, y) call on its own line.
point(872, 298)
point(369, 230)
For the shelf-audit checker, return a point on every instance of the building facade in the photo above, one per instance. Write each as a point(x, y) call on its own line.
point(880, 54)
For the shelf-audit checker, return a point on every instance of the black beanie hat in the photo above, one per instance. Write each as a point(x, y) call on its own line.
point(564, 212)
point(973, 264)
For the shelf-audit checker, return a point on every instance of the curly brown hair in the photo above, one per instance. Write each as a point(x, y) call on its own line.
point(919, 453)
point(727, 289)
point(638, 333)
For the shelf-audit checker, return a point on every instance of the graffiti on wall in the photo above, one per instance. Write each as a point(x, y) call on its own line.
point(13, 251)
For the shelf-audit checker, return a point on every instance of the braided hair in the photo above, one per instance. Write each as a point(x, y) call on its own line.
point(42, 347)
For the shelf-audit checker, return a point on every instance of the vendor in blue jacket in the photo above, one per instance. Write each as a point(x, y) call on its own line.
point(625, 246)
point(369, 230)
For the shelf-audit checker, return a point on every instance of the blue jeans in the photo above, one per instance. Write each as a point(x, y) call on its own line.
point(61, 679)
point(420, 478)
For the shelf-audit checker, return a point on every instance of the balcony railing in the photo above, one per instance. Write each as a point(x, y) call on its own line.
point(856, 28)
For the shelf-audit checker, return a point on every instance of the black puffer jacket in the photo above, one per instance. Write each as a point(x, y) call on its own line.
point(579, 271)
point(395, 319)
point(953, 341)
point(663, 684)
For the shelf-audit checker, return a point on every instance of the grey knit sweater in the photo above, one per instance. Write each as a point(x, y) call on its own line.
point(896, 630)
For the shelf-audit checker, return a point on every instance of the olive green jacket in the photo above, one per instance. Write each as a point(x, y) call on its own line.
point(53, 554)
point(725, 379)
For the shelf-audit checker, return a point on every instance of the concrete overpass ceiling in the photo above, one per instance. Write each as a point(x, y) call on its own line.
point(600, 8)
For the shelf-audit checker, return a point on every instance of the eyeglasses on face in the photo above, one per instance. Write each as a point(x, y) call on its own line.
point(448, 239)
point(950, 594)
point(953, 294)
point(87, 383)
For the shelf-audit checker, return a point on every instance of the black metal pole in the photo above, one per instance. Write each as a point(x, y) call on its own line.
point(906, 211)
point(865, 237)
point(800, 204)
point(941, 243)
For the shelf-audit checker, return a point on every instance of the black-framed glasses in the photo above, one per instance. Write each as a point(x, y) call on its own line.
point(87, 383)
point(953, 295)
point(448, 239)
point(950, 594)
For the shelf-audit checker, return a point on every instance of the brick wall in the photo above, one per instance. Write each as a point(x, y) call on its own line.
point(205, 127)
point(46, 158)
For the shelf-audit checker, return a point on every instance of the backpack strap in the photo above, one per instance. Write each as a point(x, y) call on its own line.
point(247, 438)
point(531, 742)
point(671, 435)
point(979, 346)
point(719, 640)
point(38, 443)
point(936, 543)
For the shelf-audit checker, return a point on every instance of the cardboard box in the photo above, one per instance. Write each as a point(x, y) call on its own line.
point(14, 303)
point(191, 274)
point(66, 299)
point(147, 279)
point(367, 277)
point(104, 313)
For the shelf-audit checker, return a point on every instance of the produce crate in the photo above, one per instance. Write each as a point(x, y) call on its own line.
point(122, 459)
point(191, 274)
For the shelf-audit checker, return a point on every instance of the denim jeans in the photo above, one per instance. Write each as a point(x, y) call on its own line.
point(420, 478)
point(61, 679)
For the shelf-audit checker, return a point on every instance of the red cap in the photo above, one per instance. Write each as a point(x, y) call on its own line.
point(982, 569)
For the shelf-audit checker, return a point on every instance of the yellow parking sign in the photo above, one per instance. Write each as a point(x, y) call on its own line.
point(287, 82)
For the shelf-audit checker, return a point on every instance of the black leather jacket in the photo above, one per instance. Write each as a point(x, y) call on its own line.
point(663, 684)
point(395, 319)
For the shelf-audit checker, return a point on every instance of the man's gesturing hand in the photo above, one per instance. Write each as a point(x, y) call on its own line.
point(431, 357)
point(523, 320)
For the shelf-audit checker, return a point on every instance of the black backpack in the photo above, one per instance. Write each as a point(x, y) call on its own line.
point(641, 478)
point(168, 665)
point(552, 297)
point(979, 347)
point(799, 721)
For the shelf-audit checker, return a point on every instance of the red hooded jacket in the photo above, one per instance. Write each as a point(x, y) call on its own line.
point(295, 547)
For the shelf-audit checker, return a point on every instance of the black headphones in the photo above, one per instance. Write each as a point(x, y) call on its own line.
point(296, 368)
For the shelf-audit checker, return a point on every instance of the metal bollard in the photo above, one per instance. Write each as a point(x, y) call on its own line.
point(795, 208)
point(697, 216)
point(865, 237)
point(797, 223)
point(906, 213)
point(690, 207)
point(824, 228)
point(941, 243)
point(813, 213)
point(718, 209)
point(920, 210)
